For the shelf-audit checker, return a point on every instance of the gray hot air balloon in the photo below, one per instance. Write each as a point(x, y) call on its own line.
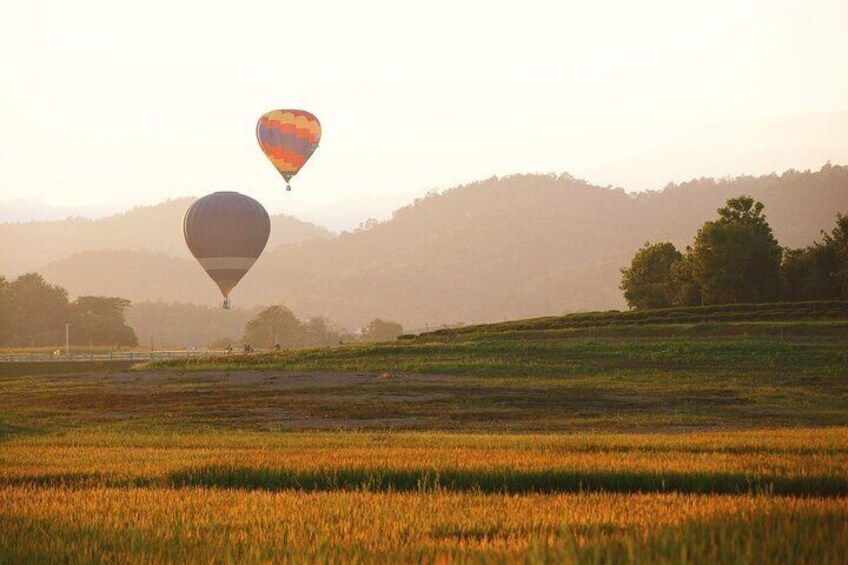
point(226, 232)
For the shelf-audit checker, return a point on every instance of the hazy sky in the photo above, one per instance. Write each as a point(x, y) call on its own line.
point(131, 102)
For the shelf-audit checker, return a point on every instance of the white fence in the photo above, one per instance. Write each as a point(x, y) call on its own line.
point(117, 356)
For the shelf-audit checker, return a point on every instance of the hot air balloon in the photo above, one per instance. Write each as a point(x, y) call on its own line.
point(288, 138)
point(226, 232)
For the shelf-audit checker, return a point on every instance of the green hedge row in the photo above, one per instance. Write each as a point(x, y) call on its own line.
point(775, 311)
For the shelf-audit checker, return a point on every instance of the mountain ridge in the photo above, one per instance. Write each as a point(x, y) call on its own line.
point(501, 248)
point(30, 245)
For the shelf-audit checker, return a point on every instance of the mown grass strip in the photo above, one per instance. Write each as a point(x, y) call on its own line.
point(769, 312)
point(506, 481)
point(448, 480)
point(451, 480)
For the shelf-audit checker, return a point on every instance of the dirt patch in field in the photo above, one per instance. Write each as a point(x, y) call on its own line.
point(263, 399)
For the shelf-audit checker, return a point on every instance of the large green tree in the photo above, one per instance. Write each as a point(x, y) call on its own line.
point(649, 282)
point(5, 311)
point(685, 289)
point(273, 325)
point(820, 271)
point(736, 258)
point(317, 332)
point(37, 311)
point(837, 240)
point(382, 330)
point(278, 325)
point(100, 320)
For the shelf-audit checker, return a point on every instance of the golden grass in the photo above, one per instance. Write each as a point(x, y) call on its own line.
point(201, 525)
point(782, 453)
point(248, 497)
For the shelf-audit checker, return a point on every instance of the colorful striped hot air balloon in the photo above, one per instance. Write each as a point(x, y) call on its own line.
point(288, 138)
point(226, 232)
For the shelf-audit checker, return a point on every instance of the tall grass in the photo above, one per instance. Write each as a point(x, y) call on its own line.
point(786, 462)
point(200, 525)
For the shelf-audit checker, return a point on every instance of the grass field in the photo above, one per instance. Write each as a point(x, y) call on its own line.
point(825, 310)
point(724, 442)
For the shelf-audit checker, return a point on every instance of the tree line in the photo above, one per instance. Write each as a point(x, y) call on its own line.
point(278, 326)
point(736, 259)
point(191, 325)
point(33, 313)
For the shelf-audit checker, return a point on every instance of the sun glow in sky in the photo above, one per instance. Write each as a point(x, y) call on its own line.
point(134, 102)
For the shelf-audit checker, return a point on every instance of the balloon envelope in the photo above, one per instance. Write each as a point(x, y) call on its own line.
point(288, 138)
point(226, 232)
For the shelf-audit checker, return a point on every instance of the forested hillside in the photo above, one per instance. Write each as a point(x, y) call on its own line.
point(523, 246)
point(515, 247)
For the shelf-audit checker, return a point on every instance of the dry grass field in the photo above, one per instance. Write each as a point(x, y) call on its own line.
point(751, 496)
point(117, 525)
point(473, 448)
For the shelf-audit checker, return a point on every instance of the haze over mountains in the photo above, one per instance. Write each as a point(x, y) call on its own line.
point(731, 148)
point(152, 229)
point(520, 246)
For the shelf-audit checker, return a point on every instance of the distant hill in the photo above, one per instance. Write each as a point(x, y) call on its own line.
point(136, 275)
point(510, 248)
point(155, 229)
point(36, 210)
